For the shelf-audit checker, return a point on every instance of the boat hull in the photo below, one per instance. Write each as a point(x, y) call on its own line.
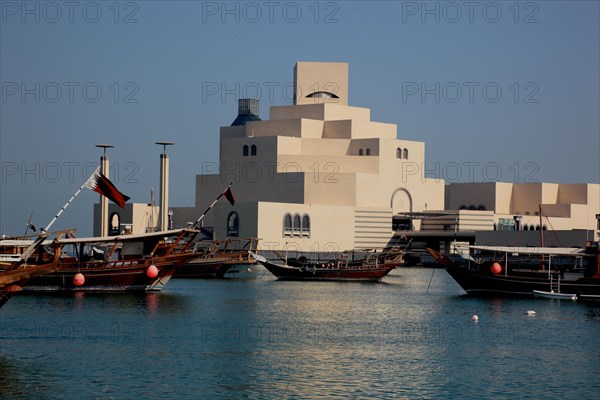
point(209, 269)
point(554, 295)
point(216, 258)
point(116, 276)
point(357, 274)
point(486, 284)
point(203, 270)
point(11, 281)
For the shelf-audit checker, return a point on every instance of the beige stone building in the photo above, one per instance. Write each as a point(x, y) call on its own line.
point(318, 175)
point(134, 217)
point(517, 206)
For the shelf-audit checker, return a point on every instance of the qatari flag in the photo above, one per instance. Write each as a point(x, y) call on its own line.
point(101, 184)
point(229, 195)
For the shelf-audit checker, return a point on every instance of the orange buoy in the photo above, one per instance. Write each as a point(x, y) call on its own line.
point(78, 279)
point(152, 271)
point(496, 268)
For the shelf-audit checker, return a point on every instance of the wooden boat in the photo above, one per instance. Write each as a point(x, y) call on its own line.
point(504, 277)
point(15, 270)
point(142, 262)
point(217, 257)
point(12, 282)
point(12, 248)
point(369, 269)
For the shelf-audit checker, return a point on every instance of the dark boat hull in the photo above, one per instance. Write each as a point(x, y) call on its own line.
point(203, 270)
point(357, 274)
point(217, 257)
point(116, 276)
point(486, 284)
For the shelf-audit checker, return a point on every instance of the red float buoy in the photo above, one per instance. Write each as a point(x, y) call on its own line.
point(78, 279)
point(496, 268)
point(152, 271)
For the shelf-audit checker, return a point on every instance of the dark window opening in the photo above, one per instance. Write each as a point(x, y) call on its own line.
point(233, 224)
point(401, 224)
point(287, 225)
point(297, 224)
point(305, 225)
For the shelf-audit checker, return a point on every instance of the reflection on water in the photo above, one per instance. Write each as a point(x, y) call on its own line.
point(264, 338)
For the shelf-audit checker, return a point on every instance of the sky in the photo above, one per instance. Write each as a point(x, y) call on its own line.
point(498, 90)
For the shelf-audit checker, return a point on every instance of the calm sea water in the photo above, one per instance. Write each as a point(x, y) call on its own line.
point(262, 338)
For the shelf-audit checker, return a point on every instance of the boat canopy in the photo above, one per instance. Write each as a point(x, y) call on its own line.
point(127, 238)
point(548, 251)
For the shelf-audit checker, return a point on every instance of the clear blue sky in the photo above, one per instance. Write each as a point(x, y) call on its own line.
point(495, 89)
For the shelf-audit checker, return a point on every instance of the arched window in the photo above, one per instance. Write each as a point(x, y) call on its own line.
point(405, 154)
point(287, 225)
point(368, 152)
point(297, 225)
point(115, 224)
point(360, 152)
point(253, 150)
point(481, 207)
point(305, 225)
point(233, 224)
point(537, 227)
point(398, 152)
point(525, 227)
point(245, 151)
point(463, 207)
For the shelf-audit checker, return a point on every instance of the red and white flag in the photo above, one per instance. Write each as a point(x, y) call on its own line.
point(229, 195)
point(101, 184)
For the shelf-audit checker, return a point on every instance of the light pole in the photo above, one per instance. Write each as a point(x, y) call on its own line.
point(104, 167)
point(164, 186)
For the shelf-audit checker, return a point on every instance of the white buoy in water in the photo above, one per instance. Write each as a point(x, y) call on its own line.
point(530, 312)
point(475, 318)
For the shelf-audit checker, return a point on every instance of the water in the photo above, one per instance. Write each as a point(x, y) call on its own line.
point(263, 338)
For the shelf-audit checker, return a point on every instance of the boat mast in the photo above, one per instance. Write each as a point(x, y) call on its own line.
point(44, 232)
point(28, 224)
point(210, 207)
point(86, 183)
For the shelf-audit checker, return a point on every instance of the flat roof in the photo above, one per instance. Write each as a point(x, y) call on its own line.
point(548, 251)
